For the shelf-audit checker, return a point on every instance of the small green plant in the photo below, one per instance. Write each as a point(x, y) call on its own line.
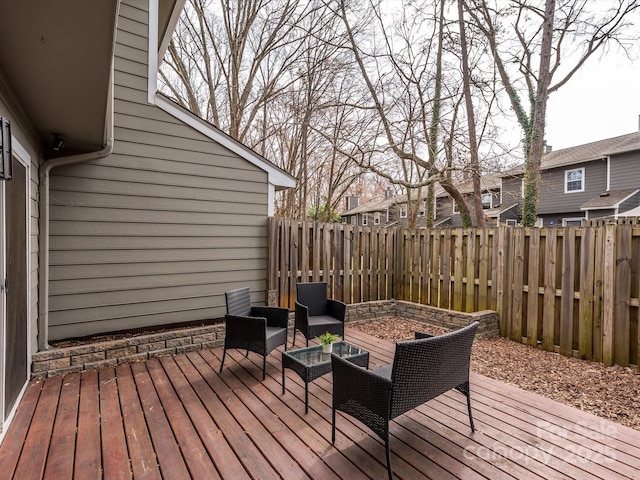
point(327, 338)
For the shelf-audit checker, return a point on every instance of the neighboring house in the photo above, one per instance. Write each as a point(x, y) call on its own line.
point(392, 210)
point(137, 213)
point(599, 179)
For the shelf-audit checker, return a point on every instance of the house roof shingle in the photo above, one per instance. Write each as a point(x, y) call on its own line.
point(585, 153)
point(610, 199)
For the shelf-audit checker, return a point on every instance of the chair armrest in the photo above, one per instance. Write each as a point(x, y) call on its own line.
point(276, 316)
point(336, 309)
point(421, 335)
point(248, 328)
point(361, 394)
point(302, 312)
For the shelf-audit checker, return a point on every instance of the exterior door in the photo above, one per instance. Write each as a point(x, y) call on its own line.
point(14, 287)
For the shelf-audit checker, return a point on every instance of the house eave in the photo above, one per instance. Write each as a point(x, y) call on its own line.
point(277, 177)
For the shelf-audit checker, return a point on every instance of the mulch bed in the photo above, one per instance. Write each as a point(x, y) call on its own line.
point(609, 392)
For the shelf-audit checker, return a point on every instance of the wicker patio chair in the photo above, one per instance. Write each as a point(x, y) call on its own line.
point(256, 329)
point(315, 314)
point(421, 370)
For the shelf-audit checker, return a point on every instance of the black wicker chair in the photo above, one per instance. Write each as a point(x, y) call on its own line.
point(422, 369)
point(256, 329)
point(315, 314)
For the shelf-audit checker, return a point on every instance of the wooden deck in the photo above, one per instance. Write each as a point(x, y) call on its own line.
point(177, 418)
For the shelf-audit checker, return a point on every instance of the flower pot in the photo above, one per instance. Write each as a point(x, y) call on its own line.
point(327, 348)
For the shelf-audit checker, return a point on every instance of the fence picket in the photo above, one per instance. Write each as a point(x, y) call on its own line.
point(533, 290)
point(566, 301)
point(622, 294)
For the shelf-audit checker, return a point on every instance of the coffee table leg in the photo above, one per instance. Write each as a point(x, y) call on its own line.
point(306, 397)
point(283, 380)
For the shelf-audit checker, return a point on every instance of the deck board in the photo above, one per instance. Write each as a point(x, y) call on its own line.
point(178, 417)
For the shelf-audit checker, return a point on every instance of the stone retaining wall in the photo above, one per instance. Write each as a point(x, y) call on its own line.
point(93, 356)
point(365, 312)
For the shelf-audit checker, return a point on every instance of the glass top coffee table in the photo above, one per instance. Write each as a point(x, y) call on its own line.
point(310, 363)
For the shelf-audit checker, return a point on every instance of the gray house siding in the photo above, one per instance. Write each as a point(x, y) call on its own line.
point(633, 202)
point(155, 233)
point(555, 200)
point(511, 190)
point(625, 170)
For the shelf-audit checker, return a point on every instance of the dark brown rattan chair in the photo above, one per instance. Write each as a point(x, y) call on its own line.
point(256, 329)
point(315, 314)
point(422, 369)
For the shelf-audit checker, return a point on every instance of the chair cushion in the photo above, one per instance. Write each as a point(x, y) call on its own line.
point(276, 336)
point(323, 320)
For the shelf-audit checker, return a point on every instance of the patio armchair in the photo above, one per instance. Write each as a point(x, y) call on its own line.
point(421, 370)
point(315, 314)
point(255, 329)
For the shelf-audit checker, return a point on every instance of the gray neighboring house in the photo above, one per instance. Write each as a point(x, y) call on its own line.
point(595, 180)
point(392, 210)
point(123, 211)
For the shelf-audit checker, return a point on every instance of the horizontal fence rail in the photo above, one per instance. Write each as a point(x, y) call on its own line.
point(573, 290)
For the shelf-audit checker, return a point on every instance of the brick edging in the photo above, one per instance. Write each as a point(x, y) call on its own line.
point(94, 356)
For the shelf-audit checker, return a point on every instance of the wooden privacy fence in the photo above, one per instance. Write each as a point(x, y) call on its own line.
point(574, 290)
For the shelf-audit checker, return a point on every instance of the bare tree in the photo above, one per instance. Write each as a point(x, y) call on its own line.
point(414, 87)
point(533, 42)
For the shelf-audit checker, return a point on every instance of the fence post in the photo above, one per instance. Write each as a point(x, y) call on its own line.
point(609, 291)
point(621, 325)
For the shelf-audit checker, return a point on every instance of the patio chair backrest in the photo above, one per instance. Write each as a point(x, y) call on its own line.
point(426, 368)
point(314, 296)
point(238, 302)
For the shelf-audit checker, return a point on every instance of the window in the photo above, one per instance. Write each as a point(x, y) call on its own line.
point(487, 200)
point(572, 222)
point(510, 221)
point(574, 180)
point(376, 218)
point(403, 211)
point(423, 209)
point(365, 219)
point(354, 220)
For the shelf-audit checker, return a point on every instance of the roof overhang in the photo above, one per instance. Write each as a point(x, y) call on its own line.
point(614, 204)
point(56, 65)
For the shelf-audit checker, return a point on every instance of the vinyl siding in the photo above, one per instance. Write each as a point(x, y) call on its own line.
point(625, 170)
point(30, 146)
point(552, 197)
point(511, 189)
point(155, 233)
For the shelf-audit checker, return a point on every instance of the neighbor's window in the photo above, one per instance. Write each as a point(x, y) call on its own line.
point(572, 222)
point(376, 218)
point(423, 208)
point(403, 211)
point(487, 200)
point(365, 219)
point(574, 180)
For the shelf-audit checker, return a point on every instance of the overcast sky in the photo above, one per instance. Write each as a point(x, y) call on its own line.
point(601, 101)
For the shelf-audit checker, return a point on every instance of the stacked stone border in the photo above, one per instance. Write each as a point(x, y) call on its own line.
point(94, 356)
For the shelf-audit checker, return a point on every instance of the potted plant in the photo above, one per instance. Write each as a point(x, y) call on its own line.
point(326, 340)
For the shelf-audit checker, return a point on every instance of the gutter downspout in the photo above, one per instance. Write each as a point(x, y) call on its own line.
point(45, 171)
